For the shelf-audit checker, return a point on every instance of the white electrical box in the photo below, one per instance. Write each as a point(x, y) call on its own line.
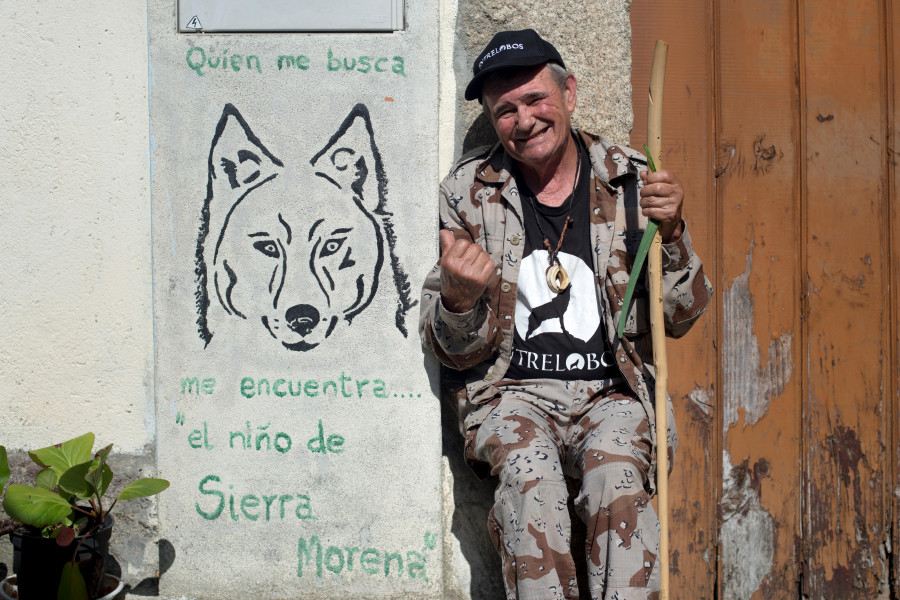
point(289, 15)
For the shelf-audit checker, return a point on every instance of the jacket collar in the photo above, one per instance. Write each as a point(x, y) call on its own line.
point(496, 168)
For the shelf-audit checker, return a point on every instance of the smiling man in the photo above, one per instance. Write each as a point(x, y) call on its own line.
point(538, 234)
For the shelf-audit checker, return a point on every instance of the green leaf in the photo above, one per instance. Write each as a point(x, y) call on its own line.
point(35, 506)
point(64, 456)
point(103, 453)
point(100, 474)
point(46, 479)
point(71, 585)
point(4, 468)
point(73, 481)
point(141, 488)
point(104, 479)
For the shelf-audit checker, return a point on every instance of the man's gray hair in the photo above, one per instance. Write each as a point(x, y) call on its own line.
point(559, 73)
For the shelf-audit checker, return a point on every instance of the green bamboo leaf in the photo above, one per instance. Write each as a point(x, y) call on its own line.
point(4, 468)
point(639, 258)
point(649, 159)
point(64, 456)
point(35, 506)
point(46, 479)
point(140, 488)
point(71, 584)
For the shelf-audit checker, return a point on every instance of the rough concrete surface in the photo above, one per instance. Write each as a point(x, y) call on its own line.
point(472, 566)
point(593, 38)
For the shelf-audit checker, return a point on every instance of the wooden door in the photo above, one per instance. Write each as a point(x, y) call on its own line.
point(780, 116)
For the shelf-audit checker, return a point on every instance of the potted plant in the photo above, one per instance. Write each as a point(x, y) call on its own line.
point(60, 526)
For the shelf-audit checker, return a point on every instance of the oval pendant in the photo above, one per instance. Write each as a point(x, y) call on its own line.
point(557, 278)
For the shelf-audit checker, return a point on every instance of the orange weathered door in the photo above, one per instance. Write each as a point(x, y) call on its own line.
point(781, 117)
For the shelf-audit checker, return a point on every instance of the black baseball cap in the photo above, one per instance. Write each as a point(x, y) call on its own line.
point(523, 48)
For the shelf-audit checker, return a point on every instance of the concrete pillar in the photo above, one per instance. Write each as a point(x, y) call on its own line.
point(293, 204)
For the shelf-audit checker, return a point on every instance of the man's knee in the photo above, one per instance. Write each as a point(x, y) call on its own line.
point(525, 468)
point(518, 447)
point(614, 500)
point(603, 487)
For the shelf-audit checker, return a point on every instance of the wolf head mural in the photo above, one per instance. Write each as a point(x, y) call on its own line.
point(294, 249)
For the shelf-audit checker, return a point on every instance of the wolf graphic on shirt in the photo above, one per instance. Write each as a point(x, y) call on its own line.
point(538, 308)
point(558, 334)
point(295, 249)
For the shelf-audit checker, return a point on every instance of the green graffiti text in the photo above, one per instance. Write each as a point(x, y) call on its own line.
point(251, 507)
point(372, 561)
point(344, 386)
point(366, 64)
point(201, 64)
point(300, 61)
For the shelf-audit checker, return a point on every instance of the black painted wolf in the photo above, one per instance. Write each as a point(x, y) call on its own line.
point(295, 249)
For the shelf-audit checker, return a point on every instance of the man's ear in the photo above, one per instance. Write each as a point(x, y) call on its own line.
point(571, 92)
point(237, 159)
point(351, 161)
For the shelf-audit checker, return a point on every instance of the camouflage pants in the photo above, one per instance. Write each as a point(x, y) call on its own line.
point(536, 434)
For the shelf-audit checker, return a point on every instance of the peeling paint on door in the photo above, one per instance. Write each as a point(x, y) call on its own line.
point(702, 399)
point(748, 536)
point(749, 385)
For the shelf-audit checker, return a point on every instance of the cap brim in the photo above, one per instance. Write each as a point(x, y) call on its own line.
point(473, 90)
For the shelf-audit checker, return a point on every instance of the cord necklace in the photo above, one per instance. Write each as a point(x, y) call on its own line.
point(556, 274)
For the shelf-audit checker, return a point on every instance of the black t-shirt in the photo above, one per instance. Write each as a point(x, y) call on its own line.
point(559, 336)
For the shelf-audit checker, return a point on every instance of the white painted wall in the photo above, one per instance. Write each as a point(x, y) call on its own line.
point(76, 349)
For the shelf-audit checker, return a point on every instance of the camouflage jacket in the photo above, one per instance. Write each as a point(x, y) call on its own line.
point(479, 201)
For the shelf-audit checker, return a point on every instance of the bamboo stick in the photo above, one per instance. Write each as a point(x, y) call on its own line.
point(657, 324)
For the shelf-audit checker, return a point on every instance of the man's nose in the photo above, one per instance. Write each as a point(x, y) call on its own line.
point(524, 118)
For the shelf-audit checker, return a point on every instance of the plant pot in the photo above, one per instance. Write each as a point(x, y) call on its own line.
point(112, 585)
point(38, 562)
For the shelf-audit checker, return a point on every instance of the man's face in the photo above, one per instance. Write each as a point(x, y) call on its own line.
point(531, 114)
